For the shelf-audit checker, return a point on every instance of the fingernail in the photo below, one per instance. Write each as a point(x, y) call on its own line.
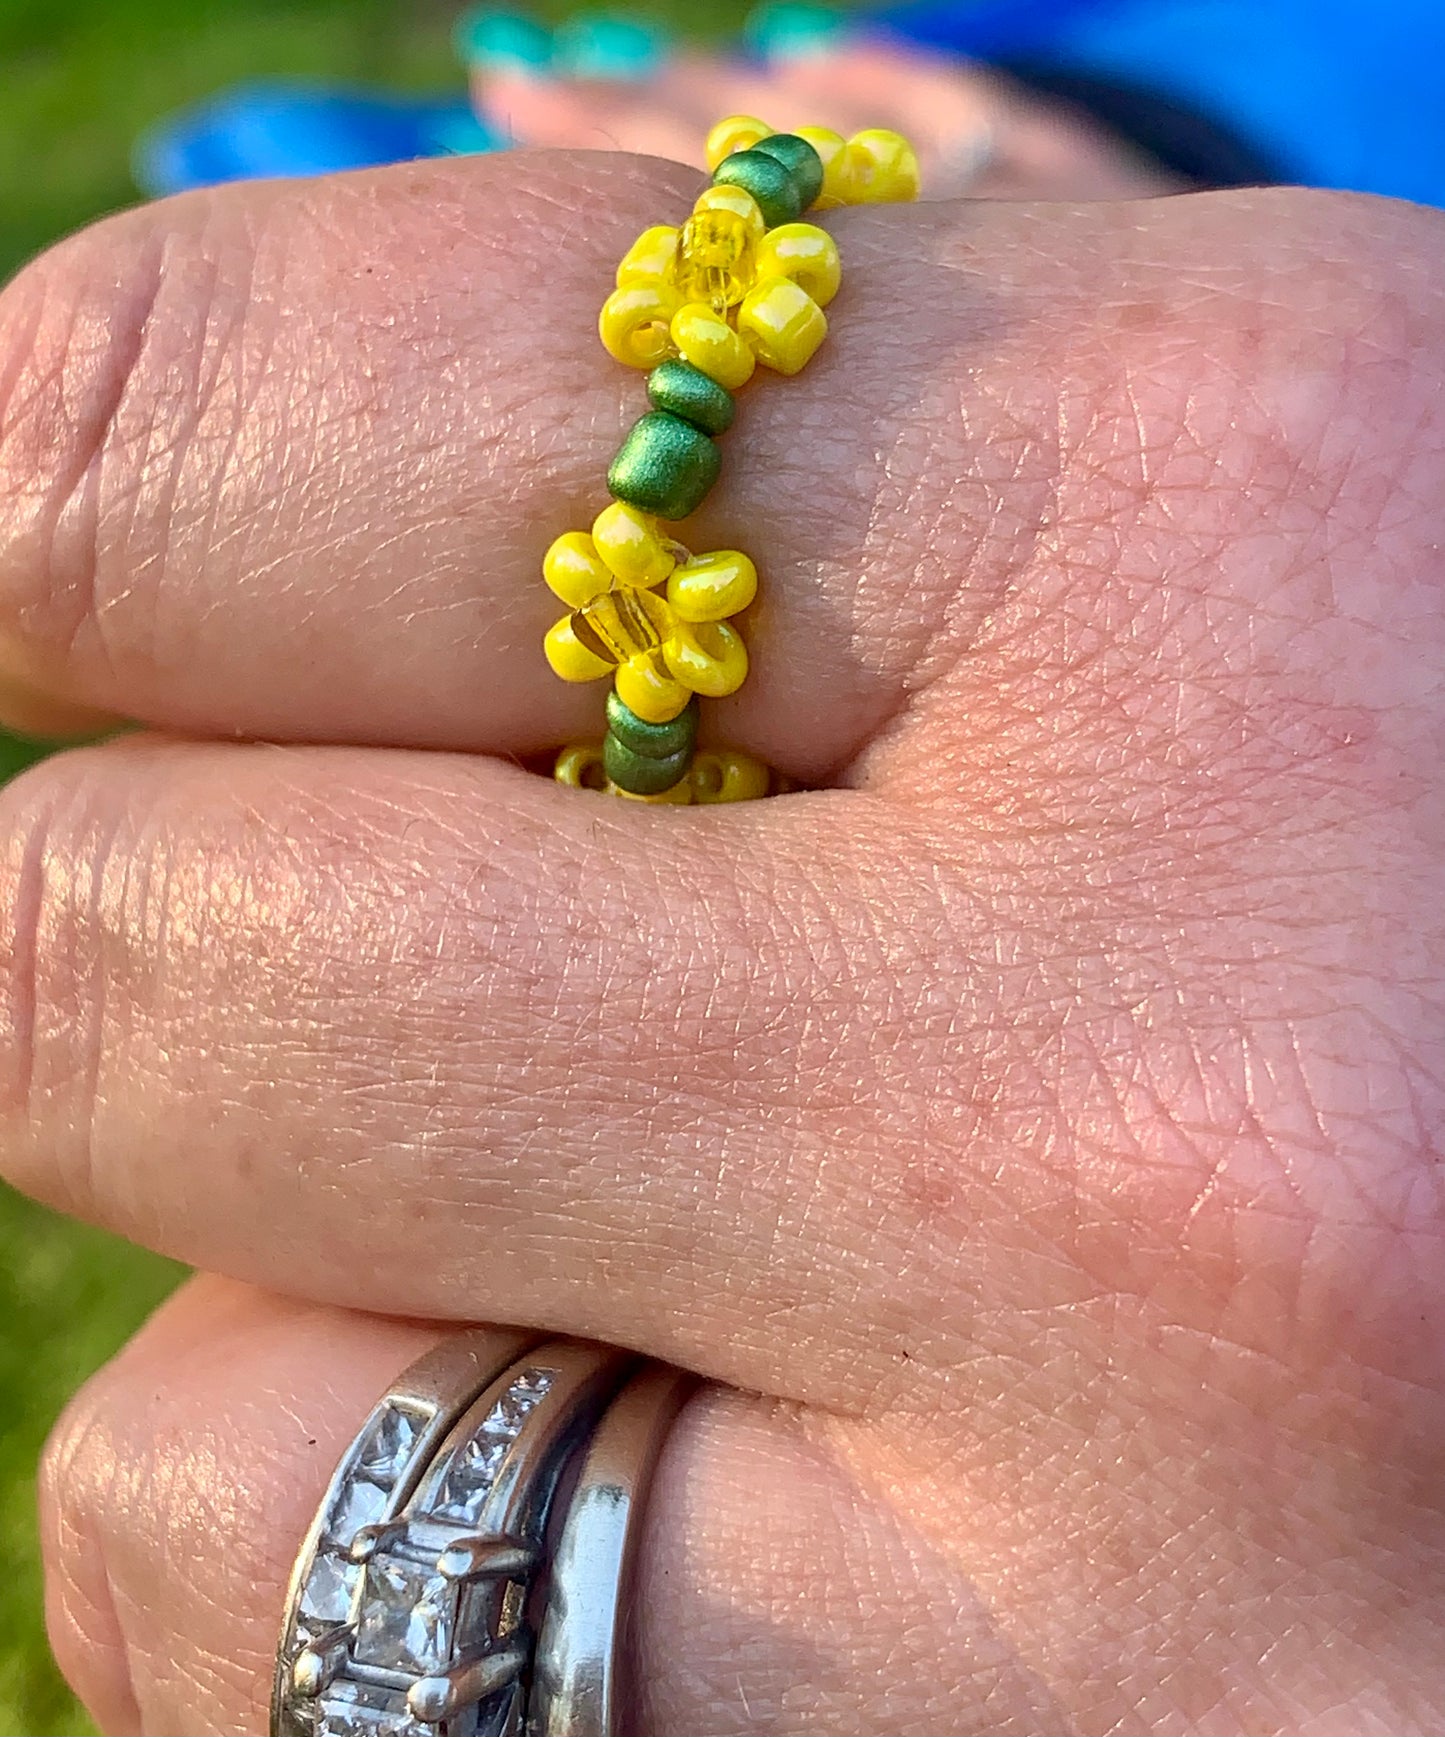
point(793, 30)
point(602, 45)
point(503, 42)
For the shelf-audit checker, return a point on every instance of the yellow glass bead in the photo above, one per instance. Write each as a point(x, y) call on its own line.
point(649, 259)
point(782, 324)
point(569, 657)
point(713, 264)
point(728, 776)
point(882, 168)
point(712, 587)
point(580, 766)
point(620, 624)
point(830, 147)
point(738, 201)
point(709, 658)
point(709, 343)
point(628, 542)
point(575, 570)
point(634, 323)
point(645, 687)
point(681, 793)
point(736, 133)
point(806, 254)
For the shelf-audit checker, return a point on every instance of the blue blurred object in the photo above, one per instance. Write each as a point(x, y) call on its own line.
point(266, 129)
point(1340, 93)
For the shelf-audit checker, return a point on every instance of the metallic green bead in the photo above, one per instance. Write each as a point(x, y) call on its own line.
point(800, 160)
point(771, 183)
point(653, 741)
point(665, 466)
point(638, 773)
point(687, 392)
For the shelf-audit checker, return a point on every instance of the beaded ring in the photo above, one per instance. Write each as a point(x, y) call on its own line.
point(742, 281)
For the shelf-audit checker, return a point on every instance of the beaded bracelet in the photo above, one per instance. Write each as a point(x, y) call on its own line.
point(742, 281)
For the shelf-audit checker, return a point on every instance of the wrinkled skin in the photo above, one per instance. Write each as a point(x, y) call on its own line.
point(1035, 1132)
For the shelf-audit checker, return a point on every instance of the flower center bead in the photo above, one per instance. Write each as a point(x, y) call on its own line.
point(620, 625)
point(712, 264)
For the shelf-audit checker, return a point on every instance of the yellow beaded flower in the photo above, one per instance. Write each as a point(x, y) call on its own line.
point(724, 292)
point(661, 645)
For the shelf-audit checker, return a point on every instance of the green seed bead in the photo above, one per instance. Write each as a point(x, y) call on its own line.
point(687, 392)
point(638, 773)
point(771, 183)
point(665, 466)
point(800, 160)
point(653, 741)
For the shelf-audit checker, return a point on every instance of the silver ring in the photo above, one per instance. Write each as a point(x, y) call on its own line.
point(578, 1689)
point(436, 1640)
point(372, 1484)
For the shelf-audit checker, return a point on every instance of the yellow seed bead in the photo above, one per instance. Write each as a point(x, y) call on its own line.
point(709, 343)
point(806, 254)
point(634, 321)
point(728, 777)
point(830, 147)
point(681, 793)
point(712, 587)
point(736, 133)
point(575, 570)
point(740, 202)
point(650, 257)
point(783, 325)
point(710, 658)
point(569, 658)
point(580, 766)
point(882, 168)
point(628, 542)
point(646, 688)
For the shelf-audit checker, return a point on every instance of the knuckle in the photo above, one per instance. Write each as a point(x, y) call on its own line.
point(53, 860)
point(76, 1487)
point(102, 347)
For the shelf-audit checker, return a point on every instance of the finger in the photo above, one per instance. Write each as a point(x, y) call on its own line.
point(594, 1070)
point(1111, 1538)
point(669, 118)
point(283, 460)
point(182, 1481)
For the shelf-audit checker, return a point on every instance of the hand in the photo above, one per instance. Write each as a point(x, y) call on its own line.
point(1035, 1131)
point(976, 131)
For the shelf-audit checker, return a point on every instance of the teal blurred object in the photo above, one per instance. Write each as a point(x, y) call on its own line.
point(607, 45)
point(590, 44)
point(498, 41)
point(793, 30)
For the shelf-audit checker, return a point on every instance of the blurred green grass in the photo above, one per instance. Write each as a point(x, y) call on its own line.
point(78, 82)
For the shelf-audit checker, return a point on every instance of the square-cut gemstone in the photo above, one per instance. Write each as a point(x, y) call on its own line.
point(469, 1481)
point(383, 1455)
point(533, 1384)
point(359, 1710)
point(326, 1596)
point(408, 1617)
point(359, 1504)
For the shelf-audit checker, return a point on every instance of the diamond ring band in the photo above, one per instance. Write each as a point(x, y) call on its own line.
point(441, 1549)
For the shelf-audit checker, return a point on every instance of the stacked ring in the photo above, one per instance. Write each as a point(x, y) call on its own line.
point(741, 282)
point(442, 1545)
